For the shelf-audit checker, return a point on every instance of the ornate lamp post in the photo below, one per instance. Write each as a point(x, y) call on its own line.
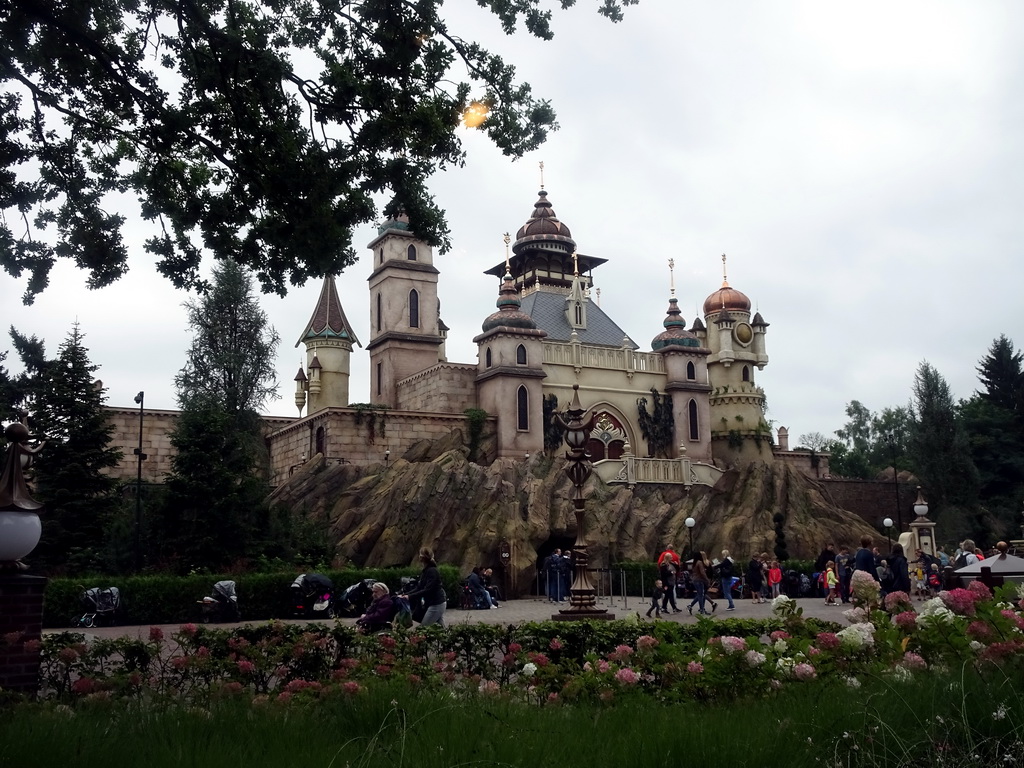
point(20, 528)
point(887, 523)
point(577, 424)
point(923, 528)
point(387, 457)
point(690, 523)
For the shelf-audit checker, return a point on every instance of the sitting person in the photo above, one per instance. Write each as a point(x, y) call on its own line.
point(490, 586)
point(380, 612)
point(479, 591)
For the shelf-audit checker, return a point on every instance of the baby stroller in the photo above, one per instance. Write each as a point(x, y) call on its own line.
point(356, 599)
point(313, 596)
point(222, 605)
point(101, 606)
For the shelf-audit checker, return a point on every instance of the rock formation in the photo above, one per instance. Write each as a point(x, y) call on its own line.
point(434, 496)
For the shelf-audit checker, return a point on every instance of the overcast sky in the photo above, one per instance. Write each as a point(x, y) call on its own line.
point(860, 164)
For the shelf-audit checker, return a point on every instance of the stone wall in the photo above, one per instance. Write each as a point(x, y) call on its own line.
point(351, 436)
point(801, 461)
point(871, 500)
point(442, 388)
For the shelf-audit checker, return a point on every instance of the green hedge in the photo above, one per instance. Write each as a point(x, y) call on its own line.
point(175, 599)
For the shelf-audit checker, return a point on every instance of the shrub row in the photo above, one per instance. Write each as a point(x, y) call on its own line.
point(173, 599)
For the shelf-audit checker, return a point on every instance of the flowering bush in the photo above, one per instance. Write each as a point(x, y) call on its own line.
point(545, 664)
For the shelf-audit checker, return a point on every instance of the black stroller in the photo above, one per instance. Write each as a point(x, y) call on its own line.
point(313, 596)
point(101, 606)
point(356, 599)
point(222, 604)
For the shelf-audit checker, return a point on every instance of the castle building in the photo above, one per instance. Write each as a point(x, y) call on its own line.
point(678, 413)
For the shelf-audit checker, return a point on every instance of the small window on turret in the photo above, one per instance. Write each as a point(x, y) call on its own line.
point(691, 371)
point(411, 253)
point(520, 355)
point(522, 409)
point(746, 373)
point(692, 418)
point(488, 357)
point(414, 309)
point(381, 256)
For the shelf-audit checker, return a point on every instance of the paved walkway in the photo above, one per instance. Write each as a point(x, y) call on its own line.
point(540, 609)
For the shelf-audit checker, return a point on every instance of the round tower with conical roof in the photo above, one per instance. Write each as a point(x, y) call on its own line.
point(510, 373)
point(739, 429)
point(328, 339)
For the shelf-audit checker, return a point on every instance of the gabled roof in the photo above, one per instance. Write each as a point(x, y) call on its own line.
point(328, 320)
point(548, 310)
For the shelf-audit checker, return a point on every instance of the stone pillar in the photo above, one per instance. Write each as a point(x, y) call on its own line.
point(21, 613)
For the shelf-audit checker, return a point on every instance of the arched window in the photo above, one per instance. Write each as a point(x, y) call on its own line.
point(410, 253)
point(488, 357)
point(379, 325)
point(520, 355)
point(691, 371)
point(321, 442)
point(746, 373)
point(522, 409)
point(414, 308)
point(694, 425)
point(579, 313)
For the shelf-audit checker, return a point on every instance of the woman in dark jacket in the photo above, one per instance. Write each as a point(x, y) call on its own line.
point(701, 581)
point(430, 591)
point(380, 612)
point(900, 573)
point(478, 590)
point(755, 579)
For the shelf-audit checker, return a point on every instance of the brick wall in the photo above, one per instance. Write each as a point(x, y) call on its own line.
point(871, 500)
point(21, 613)
point(443, 388)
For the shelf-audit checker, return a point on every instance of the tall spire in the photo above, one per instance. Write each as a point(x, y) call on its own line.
point(328, 320)
point(507, 238)
point(672, 277)
point(725, 279)
point(542, 174)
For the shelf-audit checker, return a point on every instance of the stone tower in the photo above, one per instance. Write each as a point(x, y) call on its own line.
point(686, 370)
point(510, 374)
point(406, 333)
point(739, 430)
point(328, 338)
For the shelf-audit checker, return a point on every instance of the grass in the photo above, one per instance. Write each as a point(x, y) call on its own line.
point(957, 719)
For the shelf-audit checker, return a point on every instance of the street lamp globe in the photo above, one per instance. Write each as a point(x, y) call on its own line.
point(690, 522)
point(887, 523)
point(920, 505)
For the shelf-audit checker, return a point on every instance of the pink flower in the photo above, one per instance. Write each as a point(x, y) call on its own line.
point(959, 601)
point(32, 646)
point(780, 635)
point(348, 663)
point(979, 590)
point(414, 679)
point(203, 652)
point(489, 687)
point(587, 666)
point(179, 662)
point(514, 648)
point(732, 644)
point(284, 697)
point(415, 639)
point(189, 630)
point(603, 666)
point(897, 602)
point(555, 644)
point(246, 667)
point(812, 651)
point(552, 698)
point(388, 642)
point(828, 640)
point(450, 656)
point(508, 660)
point(906, 621)
point(979, 630)
point(156, 635)
point(913, 661)
point(623, 651)
point(539, 659)
point(351, 688)
point(627, 676)
point(804, 672)
point(67, 655)
point(695, 668)
point(382, 669)
point(646, 643)
point(12, 638)
point(231, 688)
point(84, 685)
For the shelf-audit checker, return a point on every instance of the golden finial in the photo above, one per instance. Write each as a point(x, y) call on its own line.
point(725, 280)
point(508, 239)
point(542, 174)
point(575, 265)
point(672, 277)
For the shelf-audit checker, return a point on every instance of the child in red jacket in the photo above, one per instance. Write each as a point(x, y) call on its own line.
point(775, 578)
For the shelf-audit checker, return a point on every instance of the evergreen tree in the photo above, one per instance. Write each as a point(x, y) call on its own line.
point(214, 511)
point(1000, 373)
point(67, 411)
point(940, 454)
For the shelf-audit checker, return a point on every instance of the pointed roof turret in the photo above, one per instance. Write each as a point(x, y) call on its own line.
point(328, 320)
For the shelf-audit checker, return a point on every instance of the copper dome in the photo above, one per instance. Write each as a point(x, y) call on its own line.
point(726, 297)
point(544, 226)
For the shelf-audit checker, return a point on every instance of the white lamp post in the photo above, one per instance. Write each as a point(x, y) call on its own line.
point(690, 522)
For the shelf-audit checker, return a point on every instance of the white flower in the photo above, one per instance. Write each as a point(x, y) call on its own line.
point(703, 653)
point(783, 606)
point(857, 635)
point(976, 646)
point(780, 645)
point(1000, 714)
point(529, 669)
point(852, 682)
point(755, 658)
point(857, 615)
point(785, 665)
point(902, 674)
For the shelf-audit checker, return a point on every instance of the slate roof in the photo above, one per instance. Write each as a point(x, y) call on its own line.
point(328, 320)
point(548, 311)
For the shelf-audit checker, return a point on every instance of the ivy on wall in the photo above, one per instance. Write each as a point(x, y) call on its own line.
point(552, 430)
point(374, 415)
point(658, 427)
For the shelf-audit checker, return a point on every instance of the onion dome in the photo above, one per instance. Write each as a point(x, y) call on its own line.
point(675, 334)
point(509, 313)
point(726, 297)
point(542, 228)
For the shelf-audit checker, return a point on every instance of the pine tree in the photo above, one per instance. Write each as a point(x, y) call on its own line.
point(1000, 373)
point(67, 411)
point(214, 511)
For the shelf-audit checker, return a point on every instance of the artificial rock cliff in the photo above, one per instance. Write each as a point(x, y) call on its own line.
point(435, 497)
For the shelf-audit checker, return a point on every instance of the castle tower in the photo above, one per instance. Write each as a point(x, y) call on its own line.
point(328, 339)
point(510, 374)
point(686, 370)
point(738, 427)
point(406, 333)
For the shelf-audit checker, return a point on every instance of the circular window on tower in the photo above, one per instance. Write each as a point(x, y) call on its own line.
point(744, 333)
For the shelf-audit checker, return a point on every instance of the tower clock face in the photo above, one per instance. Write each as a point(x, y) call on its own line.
point(744, 333)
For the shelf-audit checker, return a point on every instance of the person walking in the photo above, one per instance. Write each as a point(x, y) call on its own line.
point(831, 584)
point(755, 579)
point(430, 590)
point(701, 582)
point(727, 574)
point(656, 594)
point(900, 572)
point(553, 575)
point(668, 569)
